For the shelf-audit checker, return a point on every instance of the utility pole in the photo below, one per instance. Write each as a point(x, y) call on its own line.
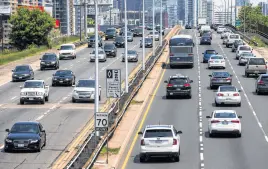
point(231, 12)
point(85, 6)
point(2, 32)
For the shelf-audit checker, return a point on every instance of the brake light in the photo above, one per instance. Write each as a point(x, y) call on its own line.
point(175, 142)
point(219, 94)
point(265, 66)
point(260, 82)
point(169, 85)
point(187, 85)
point(211, 61)
point(215, 121)
point(171, 54)
point(235, 121)
point(142, 142)
point(190, 54)
point(236, 94)
point(228, 78)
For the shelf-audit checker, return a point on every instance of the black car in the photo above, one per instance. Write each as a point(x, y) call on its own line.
point(25, 136)
point(148, 42)
point(208, 34)
point(110, 49)
point(158, 29)
point(205, 40)
point(110, 33)
point(119, 41)
point(236, 44)
point(91, 41)
point(137, 32)
point(49, 60)
point(179, 85)
point(131, 27)
point(262, 84)
point(63, 77)
point(188, 27)
point(22, 73)
point(220, 78)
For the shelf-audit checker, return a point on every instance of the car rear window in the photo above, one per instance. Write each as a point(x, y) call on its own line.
point(244, 48)
point(257, 61)
point(178, 81)
point(216, 57)
point(221, 74)
point(227, 89)
point(264, 78)
point(225, 115)
point(234, 36)
point(158, 133)
point(211, 52)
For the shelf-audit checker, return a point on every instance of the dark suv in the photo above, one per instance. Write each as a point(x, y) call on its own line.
point(262, 84)
point(110, 49)
point(49, 60)
point(179, 85)
point(110, 33)
point(91, 41)
point(119, 41)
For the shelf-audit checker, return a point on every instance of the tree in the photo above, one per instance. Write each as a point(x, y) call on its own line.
point(30, 27)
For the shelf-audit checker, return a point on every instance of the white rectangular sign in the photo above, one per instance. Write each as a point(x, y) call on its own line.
point(102, 121)
point(5, 10)
point(113, 83)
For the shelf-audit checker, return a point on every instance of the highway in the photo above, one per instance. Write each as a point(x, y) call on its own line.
point(189, 115)
point(61, 118)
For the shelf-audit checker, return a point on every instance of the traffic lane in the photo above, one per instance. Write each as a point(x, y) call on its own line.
point(258, 101)
point(59, 134)
point(180, 112)
point(229, 152)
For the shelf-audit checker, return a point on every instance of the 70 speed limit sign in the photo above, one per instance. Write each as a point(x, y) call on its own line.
point(102, 121)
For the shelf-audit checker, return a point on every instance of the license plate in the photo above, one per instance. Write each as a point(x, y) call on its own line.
point(217, 61)
point(256, 71)
point(61, 81)
point(20, 77)
point(228, 99)
point(31, 99)
point(20, 145)
point(225, 122)
point(158, 141)
point(178, 89)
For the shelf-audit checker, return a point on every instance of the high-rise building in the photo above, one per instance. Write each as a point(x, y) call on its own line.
point(172, 11)
point(202, 8)
point(189, 13)
point(264, 8)
point(132, 5)
point(79, 17)
point(241, 2)
point(181, 10)
point(210, 11)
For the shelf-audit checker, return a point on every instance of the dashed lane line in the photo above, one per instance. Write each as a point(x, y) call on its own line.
point(13, 97)
point(245, 95)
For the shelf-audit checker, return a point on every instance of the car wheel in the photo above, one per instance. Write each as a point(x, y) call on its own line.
point(239, 104)
point(43, 101)
point(41, 69)
point(217, 105)
point(190, 96)
point(211, 86)
point(246, 74)
point(239, 135)
point(39, 148)
point(210, 134)
point(177, 158)
point(223, 67)
point(258, 92)
point(167, 96)
point(73, 100)
point(6, 150)
point(142, 159)
point(21, 102)
point(123, 60)
point(46, 98)
point(171, 66)
point(53, 84)
point(45, 143)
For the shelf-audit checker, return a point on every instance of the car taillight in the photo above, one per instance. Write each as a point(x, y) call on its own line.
point(236, 94)
point(265, 66)
point(169, 85)
point(175, 142)
point(219, 94)
point(228, 78)
point(187, 85)
point(142, 142)
point(211, 61)
point(235, 121)
point(260, 82)
point(190, 55)
point(215, 121)
point(171, 54)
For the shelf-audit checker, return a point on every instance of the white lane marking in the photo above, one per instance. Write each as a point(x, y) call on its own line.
point(105, 67)
point(13, 97)
point(201, 145)
point(1, 147)
point(39, 118)
point(246, 96)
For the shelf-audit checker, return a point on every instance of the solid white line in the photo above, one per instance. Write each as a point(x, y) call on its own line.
point(13, 97)
point(39, 118)
point(201, 156)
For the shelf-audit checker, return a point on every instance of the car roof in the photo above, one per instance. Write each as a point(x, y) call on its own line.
point(27, 122)
point(34, 81)
point(160, 126)
point(23, 65)
point(178, 76)
point(224, 111)
point(182, 36)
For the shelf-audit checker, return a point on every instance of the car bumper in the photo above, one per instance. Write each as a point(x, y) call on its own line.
point(223, 100)
point(225, 130)
point(32, 99)
point(263, 88)
point(65, 56)
point(62, 82)
point(229, 43)
point(83, 97)
point(179, 93)
point(119, 45)
point(14, 146)
point(159, 150)
point(48, 65)
point(216, 65)
point(181, 63)
point(100, 59)
point(256, 71)
point(205, 42)
point(220, 83)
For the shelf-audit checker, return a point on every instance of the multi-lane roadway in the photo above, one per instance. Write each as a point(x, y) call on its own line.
point(61, 118)
point(189, 115)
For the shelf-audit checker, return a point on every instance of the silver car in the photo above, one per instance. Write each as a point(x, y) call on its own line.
point(244, 57)
point(156, 35)
point(132, 56)
point(129, 36)
point(101, 55)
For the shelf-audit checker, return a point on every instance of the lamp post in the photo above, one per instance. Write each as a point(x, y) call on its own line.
point(244, 17)
point(143, 35)
point(161, 24)
point(153, 30)
point(126, 59)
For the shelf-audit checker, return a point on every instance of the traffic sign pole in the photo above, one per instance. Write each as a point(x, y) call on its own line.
point(113, 83)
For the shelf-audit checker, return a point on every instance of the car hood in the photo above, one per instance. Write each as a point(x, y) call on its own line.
point(21, 136)
point(20, 73)
point(32, 90)
point(208, 55)
point(85, 89)
point(66, 51)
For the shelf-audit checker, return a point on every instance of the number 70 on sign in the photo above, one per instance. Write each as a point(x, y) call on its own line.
point(102, 121)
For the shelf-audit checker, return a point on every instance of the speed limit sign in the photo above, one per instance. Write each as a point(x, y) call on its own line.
point(102, 121)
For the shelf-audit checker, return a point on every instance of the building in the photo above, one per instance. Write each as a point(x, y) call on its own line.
point(172, 11)
point(241, 2)
point(48, 6)
point(210, 12)
point(181, 10)
point(222, 17)
point(190, 12)
point(264, 8)
point(202, 8)
point(79, 17)
point(132, 5)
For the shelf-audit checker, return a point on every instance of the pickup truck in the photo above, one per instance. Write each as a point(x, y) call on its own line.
point(34, 91)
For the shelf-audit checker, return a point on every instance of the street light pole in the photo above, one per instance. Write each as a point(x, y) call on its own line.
point(126, 58)
point(161, 24)
point(85, 6)
point(244, 17)
point(2, 32)
point(143, 35)
point(228, 11)
point(153, 31)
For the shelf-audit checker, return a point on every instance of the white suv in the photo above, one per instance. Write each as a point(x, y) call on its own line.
point(67, 51)
point(160, 140)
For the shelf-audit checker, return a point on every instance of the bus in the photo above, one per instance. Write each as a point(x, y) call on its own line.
point(181, 51)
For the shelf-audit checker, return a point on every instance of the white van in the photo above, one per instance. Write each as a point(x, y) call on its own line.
point(67, 51)
point(231, 39)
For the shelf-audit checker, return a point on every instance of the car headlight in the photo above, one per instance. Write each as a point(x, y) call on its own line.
point(67, 79)
point(34, 141)
point(39, 93)
point(23, 93)
point(53, 62)
point(8, 140)
point(42, 62)
point(15, 75)
point(112, 50)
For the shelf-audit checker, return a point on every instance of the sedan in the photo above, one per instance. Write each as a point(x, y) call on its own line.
point(205, 40)
point(101, 55)
point(244, 57)
point(155, 35)
point(130, 37)
point(110, 49)
point(22, 73)
point(236, 44)
point(207, 54)
point(241, 49)
point(119, 41)
point(28, 135)
point(224, 121)
point(148, 42)
point(63, 77)
point(261, 84)
point(132, 55)
point(220, 78)
point(216, 61)
point(49, 60)
point(228, 95)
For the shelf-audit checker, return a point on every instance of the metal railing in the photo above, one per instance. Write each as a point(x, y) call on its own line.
point(91, 148)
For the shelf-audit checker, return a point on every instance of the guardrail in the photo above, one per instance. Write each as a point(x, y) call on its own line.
point(89, 151)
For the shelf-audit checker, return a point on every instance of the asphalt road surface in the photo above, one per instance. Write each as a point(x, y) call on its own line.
point(197, 149)
point(61, 118)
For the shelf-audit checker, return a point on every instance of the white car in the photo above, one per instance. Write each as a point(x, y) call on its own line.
point(220, 29)
point(244, 58)
point(85, 91)
point(34, 91)
point(228, 95)
point(231, 39)
point(156, 35)
point(67, 51)
point(216, 61)
point(160, 140)
point(241, 49)
point(224, 121)
point(101, 54)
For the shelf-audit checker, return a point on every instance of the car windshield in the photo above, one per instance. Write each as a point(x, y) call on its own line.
point(220, 74)
point(225, 115)
point(148, 40)
point(131, 52)
point(158, 133)
point(21, 68)
point(99, 52)
point(24, 128)
point(63, 73)
point(210, 52)
point(178, 81)
point(110, 31)
point(216, 57)
point(119, 39)
point(108, 46)
point(66, 47)
point(234, 36)
point(86, 83)
point(244, 48)
point(227, 89)
point(181, 42)
point(49, 57)
point(33, 84)
point(257, 61)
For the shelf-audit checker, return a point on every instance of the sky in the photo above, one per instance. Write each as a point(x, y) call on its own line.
point(221, 2)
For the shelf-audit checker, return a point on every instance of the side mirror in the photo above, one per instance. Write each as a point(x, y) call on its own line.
point(191, 81)
point(210, 75)
point(239, 90)
point(73, 85)
point(240, 117)
point(12, 70)
point(179, 132)
point(165, 81)
point(208, 117)
point(21, 87)
point(140, 133)
point(7, 130)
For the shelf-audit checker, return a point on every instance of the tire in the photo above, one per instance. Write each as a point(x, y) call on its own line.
point(210, 135)
point(106, 38)
point(43, 101)
point(41, 69)
point(171, 66)
point(211, 86)
point(189, 96)
point(21, 102)
point(258, 92)
point(53, 84)
point(45, 143)
point(39, 149)
point(142, 159)
point(46, 98)
point(167, 96)
point(223, 67)
point(239, 135)
point(217, 105)
point(73, 100)
point(239, 104)
point(177, 158)
point(6, 150)
point(246, 74)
